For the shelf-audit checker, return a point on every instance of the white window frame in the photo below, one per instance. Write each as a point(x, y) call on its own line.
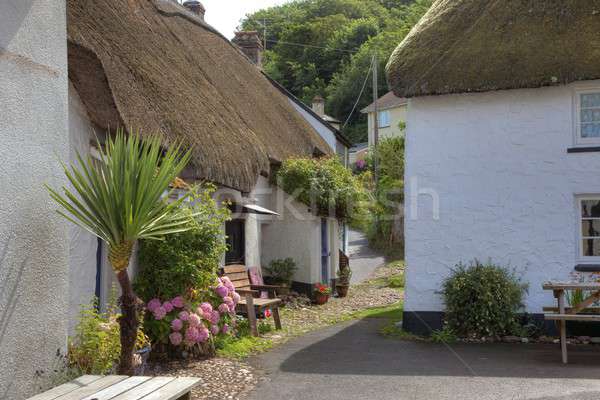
point(577, 139)
point(580, 257)
point(388, 123)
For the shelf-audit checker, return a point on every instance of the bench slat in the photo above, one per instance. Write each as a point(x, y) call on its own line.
point(571, 317)
point(68, 387)
point(174, 389)
point(115, 390)
point(145, 388)
point(592, 286)
point(93, 387)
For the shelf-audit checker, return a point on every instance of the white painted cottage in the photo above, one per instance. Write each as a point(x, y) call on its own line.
point(502, 144)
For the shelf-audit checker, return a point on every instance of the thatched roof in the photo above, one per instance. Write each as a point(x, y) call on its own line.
point(481, 45)
point(154, 66)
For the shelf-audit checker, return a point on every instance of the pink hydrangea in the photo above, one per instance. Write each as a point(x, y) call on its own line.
point(225, 329)
point(228, 284)
point(184, 315)
point(175, 338)
point(153, 305)
point(222, 291)
point(194, 320)
point(236, 297)
point(191, 334)
point(168, 306)
point(206, 307)
point(159, 313)
point(176, 324)
point(214, 329)
point(224, 308)
point(214, 317)
point(203, 335)
point(178, 302)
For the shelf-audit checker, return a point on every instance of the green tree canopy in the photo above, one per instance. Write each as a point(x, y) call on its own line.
point(325, 47)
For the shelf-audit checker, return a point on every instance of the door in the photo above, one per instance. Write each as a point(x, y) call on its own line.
point(236, 249)
point(324, 252)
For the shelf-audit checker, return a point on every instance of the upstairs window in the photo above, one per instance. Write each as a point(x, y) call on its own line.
point(384, 119)
point(587, 117)
point(589, 240)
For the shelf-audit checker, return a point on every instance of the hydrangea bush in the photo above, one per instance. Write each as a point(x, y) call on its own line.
point(195, 318)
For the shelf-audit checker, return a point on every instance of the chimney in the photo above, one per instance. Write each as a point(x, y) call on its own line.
point(250, 44)
point(318, 105)
point(196, 7)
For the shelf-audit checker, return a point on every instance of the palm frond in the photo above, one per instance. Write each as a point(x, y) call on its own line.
point(122, 196)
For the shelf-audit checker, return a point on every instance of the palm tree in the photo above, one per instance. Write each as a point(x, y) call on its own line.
point(120, 199)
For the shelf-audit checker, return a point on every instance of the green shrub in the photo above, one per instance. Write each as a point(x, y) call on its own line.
point(323, 183)
point(396, 281)
point(483, 300)
point(188, 260)
point(281, 271)
point(96, 346)
point(446, 336)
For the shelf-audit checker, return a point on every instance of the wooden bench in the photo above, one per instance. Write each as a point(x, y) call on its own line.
point(251, 303)
point(562, 314)
point(119, 387)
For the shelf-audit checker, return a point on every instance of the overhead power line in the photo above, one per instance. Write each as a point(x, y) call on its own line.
point(312, 46)
point(360, 94)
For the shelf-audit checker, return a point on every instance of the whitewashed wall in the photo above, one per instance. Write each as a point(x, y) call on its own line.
point(82, 245)
point(294, 234)
point(33, 238)
point(498, 162)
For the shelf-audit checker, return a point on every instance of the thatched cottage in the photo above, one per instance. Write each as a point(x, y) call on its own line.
point(502, 142)
point(157, 66)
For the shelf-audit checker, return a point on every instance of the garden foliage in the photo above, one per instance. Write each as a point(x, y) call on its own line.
point(186, 261)
point(323, 184)
point(281, 271)
point(483, 299)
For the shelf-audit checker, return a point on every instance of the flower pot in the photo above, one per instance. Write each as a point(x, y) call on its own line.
point(342, 290)
point(283, 290)
point(321, 298)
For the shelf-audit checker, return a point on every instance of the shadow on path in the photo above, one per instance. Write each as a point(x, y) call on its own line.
point(353, 361)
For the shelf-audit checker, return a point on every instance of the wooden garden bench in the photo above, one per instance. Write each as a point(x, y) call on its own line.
point(251, 303)
point(562, 314)
point(119, 387)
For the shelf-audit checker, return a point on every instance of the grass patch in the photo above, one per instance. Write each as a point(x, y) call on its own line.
point(393, 312)
point(243, 347)
point(392, 331)
point(396, 281)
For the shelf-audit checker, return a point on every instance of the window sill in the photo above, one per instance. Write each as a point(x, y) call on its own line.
point(586, 149)
point(587, 268)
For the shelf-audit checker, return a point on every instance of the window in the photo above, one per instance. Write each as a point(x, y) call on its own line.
point(587, 117)
point(384, 119)
point(589, 232)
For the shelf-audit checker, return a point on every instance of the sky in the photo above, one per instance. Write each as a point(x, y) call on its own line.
point(225, 15)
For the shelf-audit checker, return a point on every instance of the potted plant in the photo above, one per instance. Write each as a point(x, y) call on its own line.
point(280, 273)
point(322, 293)
point(343, 282)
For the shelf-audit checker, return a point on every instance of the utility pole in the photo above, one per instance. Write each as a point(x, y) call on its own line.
point(265, 33)
point(375, 122)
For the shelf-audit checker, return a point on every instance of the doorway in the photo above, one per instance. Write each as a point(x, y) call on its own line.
point(236, 242)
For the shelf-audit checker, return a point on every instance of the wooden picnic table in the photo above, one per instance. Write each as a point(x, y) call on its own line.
point(572, 313)
point(119, 387)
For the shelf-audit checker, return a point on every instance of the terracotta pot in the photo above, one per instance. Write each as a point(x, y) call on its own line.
point(321, 298)
point(342, 290)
